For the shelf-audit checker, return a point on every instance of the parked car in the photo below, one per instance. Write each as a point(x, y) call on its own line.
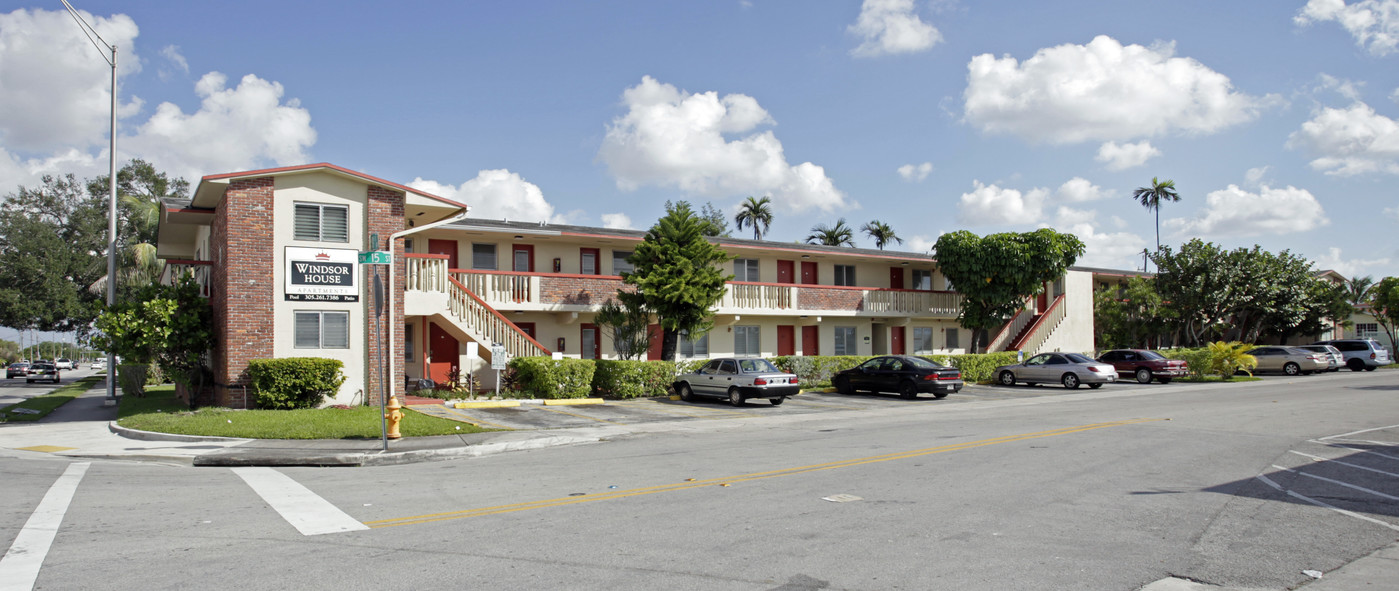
point(1366, 354)
point(737, 379)
point(1335, 360)
point(17, 369)
point(1146, 365)
point(99, 363)
point(42, 371)
point(64, 363)
point(1289, 360)
point(904, 374)
point(1069, 369)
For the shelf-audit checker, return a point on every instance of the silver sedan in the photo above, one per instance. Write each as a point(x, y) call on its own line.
point(1069, 369)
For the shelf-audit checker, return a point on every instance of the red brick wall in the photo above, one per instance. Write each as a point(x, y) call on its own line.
point(385, 216)
point(815, 298)
point(242, 287)
point(578, 290)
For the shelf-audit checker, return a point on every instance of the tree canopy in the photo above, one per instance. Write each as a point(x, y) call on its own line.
point(677, 275)
point(837, 235)
point(1384, 304)
point(756, 213)
point(881, 233)
point(997, 272)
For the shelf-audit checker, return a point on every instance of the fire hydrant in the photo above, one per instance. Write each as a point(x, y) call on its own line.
point(394, 416)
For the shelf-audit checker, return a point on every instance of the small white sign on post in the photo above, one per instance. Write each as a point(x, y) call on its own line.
point(473, 350)
point(499, 358)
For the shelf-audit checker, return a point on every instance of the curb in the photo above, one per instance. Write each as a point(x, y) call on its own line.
point(154, 436)
point(362, 459)
point(572, 401)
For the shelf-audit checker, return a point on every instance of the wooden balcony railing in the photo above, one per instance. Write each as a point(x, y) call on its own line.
point(200, 270)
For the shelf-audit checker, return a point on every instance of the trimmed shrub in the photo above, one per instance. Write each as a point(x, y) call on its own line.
point(817, 369)
point(133, 378)
point(544, 377)
point(294, 382)
point(632, 379)
point(1197, 360)
point(977, 367)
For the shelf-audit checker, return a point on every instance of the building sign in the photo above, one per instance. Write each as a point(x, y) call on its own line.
point(321, 274)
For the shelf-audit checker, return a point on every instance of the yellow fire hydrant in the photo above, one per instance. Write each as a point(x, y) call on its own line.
point(394, 415)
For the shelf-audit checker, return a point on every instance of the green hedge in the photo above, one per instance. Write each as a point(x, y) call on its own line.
point(632, 379)
point(977, 367)
point(294, 382)
point(544, 377)
point(1197, 360)
point(817, 369)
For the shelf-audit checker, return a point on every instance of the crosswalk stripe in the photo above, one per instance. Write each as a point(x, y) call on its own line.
point(306, 511)
point(19, 568)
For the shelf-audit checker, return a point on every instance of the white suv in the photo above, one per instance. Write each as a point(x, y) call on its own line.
point(1366, 354)
point(63, 363)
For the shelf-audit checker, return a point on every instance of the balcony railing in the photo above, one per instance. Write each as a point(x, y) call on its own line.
point(1049, 320)
point(426, 272)
point(200, 270)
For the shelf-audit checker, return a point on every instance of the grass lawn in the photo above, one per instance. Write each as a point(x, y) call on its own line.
point(159, 411)
point(47, 403)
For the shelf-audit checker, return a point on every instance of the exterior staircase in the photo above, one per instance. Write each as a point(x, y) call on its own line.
point(466, 312)
point(1027, 331)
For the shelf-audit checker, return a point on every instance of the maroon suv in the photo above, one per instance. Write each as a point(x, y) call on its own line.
point(1144, 364)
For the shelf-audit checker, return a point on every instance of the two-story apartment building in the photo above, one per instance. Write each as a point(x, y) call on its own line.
point(276, 250)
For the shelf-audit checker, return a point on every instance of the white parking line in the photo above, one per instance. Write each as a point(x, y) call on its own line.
point(1357, 432)
point(306, 511)
point(1323, 504)
point(1339, 483)
point(1368, 451)
point(1331, 461)
point(20, 566)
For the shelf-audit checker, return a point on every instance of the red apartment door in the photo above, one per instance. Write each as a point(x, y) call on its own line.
point(1043, 299)
point(523, 259)
point(896, 340)
point(786, 340)
point(653, 349)
point(809, 273)
point(896, 277)
point(588, 263)
point(527, 328)
point(444, 353)
point(784, 272)
point(588, 341)
point(447, 247)
point(811, 340)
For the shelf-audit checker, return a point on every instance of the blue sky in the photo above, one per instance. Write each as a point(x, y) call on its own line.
point(1276, 119)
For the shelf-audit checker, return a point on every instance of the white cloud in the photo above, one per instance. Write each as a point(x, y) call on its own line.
point(989, 205)
point(1235, 212)
point(1348, 267)
point(1078, 190)
point(171, 53)
point(56, 87)
point(1117, 222)
point(1111, 250)
point(921, 243)
point(671, 138)
point(1394, 96)
point(617, 221)
point(1373, 23)
point(916, 172)
point(234, 129)
point(1101, 91)
point(1124, 156)
point(498, 194)
point(1254, 176)
point(1350, 141)
point(890, 27)
point(1345, 87)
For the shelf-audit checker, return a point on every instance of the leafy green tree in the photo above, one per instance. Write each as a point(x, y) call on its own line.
point(837, 235)
point(1358, 289)
point(677, 275)
point(882, 233)
point(626, 324)
point(1201, 283)
point(996, 273)
point(167, 325)
point(1130, 319)
point(716, 223)
point(9, 351)
point(756, 213)
point(1151, 198)
point(140, 188)
point(52, 240)
point(1384, 304)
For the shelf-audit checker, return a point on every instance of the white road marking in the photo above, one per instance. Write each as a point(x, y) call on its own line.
point(1356, 449)
point(1357, 432)
point(1356, 466)
point(1328, 506)
point(19, 568)
point(306, 511)
point(1337, 482)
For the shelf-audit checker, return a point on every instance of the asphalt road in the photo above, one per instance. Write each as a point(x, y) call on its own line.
point(1028, 489)
point(15, 389)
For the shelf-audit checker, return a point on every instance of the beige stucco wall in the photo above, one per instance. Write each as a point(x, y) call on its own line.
point(333, 190)
point(1075, 333)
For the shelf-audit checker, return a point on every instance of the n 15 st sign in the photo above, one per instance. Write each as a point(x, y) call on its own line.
point(321, 274)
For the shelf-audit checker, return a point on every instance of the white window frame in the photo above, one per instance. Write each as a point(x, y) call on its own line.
point(320, 316)
point(847, 340)
point(408, 342)
point(922, 335)
point(320, 209)
point(692, 348)
point(748, 341)
point(844, 275)
point(746, 270)
point(1367, 330)
point(619, 262)
point(954, 337)
point(927, 278)
point(494, 257)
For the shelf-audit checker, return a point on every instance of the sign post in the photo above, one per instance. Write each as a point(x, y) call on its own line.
point(378, 297)
point(499, 361)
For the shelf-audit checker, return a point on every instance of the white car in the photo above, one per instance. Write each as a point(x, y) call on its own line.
point(64, 363)
point(100, 363)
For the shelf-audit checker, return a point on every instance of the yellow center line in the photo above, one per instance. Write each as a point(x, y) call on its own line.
point(429, 518)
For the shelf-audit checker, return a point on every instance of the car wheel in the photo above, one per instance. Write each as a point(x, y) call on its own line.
point(1372, 368)
point(843, 386)
point(940, 395)
point(1070, 381)
point(686, 393)
point(1095, 386)
point(1007, 378)
point(777, 401)
point(1143, 376)
point(1164, 380)
point(1291, 369)
point(735, 397)
point(908, 390)
point(1355, 365)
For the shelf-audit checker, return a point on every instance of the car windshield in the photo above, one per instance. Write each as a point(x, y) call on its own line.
point(1076, 358)
point(921, 363)
point(756, 366)
point(1151, 355)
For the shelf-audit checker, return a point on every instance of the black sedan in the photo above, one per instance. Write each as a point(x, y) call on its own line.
point(18, 368)
point(905, 374)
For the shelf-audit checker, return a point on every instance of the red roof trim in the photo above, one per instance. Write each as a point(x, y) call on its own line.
point(327, 165)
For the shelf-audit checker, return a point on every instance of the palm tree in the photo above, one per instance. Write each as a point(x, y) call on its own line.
point(756, 213)
point(1151, 198)
point(881, 233)
point(1358, 289)
point(837, 235)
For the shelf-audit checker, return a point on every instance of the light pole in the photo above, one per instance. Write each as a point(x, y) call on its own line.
point(112, 192)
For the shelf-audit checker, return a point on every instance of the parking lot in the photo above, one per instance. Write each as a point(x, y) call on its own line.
point(651, 410)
